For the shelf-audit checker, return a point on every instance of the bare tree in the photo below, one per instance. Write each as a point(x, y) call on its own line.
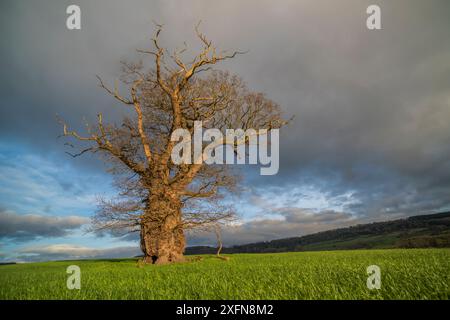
point(158, 198)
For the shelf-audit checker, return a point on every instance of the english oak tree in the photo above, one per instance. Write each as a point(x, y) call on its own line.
point(158, 198)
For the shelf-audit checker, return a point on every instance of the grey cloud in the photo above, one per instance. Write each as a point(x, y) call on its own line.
point(30, 226)
point(297, 215)
point(72, 252)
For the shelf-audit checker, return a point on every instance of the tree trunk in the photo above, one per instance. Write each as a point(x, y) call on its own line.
point(162, 235)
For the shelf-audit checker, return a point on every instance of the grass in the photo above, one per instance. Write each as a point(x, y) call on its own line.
point(405, 274)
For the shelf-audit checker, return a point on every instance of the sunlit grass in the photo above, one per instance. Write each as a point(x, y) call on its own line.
point(405, 274)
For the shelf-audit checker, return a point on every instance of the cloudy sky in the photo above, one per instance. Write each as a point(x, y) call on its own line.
point(370, 140)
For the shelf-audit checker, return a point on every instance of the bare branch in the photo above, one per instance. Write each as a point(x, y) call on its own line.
point(114, 93)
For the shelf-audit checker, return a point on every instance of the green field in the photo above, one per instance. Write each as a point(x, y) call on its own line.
point(405, 274)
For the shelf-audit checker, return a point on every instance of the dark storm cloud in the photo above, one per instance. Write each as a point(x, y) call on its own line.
point(29, 227)
point(371, 107)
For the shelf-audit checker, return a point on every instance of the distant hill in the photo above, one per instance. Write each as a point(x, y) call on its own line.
point(425, 231)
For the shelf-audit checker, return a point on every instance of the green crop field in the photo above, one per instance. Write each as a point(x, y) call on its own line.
point(405, 274)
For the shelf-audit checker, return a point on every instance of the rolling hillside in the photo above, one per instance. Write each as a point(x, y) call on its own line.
point(425, 231)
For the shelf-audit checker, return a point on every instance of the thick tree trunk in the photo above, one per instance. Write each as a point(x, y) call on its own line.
point(162, 236)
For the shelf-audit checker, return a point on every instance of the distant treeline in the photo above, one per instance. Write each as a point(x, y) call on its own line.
point(423, 231)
